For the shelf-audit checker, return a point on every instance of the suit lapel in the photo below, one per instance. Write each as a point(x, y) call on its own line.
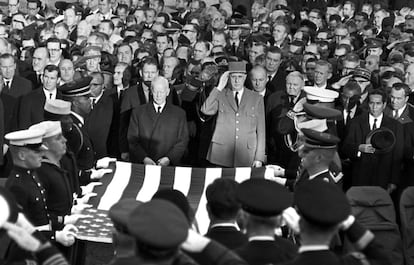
point(365, 126)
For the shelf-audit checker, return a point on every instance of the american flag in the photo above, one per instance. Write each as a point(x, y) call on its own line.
point(141, 182)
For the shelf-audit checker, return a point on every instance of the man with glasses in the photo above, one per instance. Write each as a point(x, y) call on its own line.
point(191, 31)
point(239, 135)
point(13, 8)
point(99, 120)
point(32, 105)
point(33, 9)
point(55, 51)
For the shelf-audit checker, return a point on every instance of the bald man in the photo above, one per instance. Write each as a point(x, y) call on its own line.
point(158, 133)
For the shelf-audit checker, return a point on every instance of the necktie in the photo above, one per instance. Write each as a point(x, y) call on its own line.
point(50, 95)
point(233, 48)
point(269, 78)
point(159, 109)
point(7, 85)
point(93, 102)
point(236, 98)
point(39, 81)
point(395, 114)
point(348, 116)
point(291, 101)
point(374, 126)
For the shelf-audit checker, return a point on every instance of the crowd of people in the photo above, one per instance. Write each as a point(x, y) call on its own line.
point(319, 92)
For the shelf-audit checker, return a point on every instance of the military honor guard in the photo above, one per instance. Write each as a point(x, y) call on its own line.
point(263, 202)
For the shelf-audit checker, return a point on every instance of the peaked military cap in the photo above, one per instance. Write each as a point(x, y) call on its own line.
point(321, 203)
point(158, 224)
point(77, 88)
point(263, 197)
point(319, 140)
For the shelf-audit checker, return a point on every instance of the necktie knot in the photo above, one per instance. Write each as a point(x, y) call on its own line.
point(374, 126)
point(159, 109)
point(395, 114)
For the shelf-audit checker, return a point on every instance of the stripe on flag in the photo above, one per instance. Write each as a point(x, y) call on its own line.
point(135, 182)
point(201, 214)
point(116, 187)
point(183, 180)
point(242, 173)
point(151, 183)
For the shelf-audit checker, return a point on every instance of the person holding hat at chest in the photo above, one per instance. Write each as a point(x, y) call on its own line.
point(239, 136)
point(263, 202)
point(324, 210)
point(376, 160)
point(78, 94)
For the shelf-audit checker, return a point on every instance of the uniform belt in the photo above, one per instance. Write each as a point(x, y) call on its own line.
point(47, 227)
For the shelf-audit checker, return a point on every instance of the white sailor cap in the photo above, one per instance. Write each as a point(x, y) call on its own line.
point(51, 128)
point(57, 106)
point(320, 94)
point(30, 138)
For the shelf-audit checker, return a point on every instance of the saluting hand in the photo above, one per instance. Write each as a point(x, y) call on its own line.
point(223, 80)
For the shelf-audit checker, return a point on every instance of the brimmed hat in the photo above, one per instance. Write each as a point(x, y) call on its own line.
point(382, 139)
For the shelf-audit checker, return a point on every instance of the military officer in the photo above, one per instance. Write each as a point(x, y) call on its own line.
point(78, 94)
point(23, 182)
point(324, 209)
point(263, 202)
point(317, 154)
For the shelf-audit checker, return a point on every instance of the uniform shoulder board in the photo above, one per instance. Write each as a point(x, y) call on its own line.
point(358, 256)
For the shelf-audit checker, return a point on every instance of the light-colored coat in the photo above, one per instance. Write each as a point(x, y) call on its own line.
point(239, 137)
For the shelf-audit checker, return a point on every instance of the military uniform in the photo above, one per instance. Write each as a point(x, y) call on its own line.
point(78, 138)
point(322, 204)
point(263, 199)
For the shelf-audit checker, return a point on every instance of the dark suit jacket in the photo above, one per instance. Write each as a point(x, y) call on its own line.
point(31, 110)
point(157, 135)
point(132, 98)
point(32, 77)
point(20, 86)
point(98, 125)
point(267, 252)
point(406, 116)
point(228, 236)
point(113, 137)
point(10, 105)
point(373, 169)
point(278, 82)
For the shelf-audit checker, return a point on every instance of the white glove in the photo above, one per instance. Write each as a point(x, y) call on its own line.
point(346, 224)
point(67, 236)
point(104, 162)
point(98, 173)
point(89, 188)
point(291, 217)
point(78, 208)
point(195, 243)
point(73, 218)
point(278, 170)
